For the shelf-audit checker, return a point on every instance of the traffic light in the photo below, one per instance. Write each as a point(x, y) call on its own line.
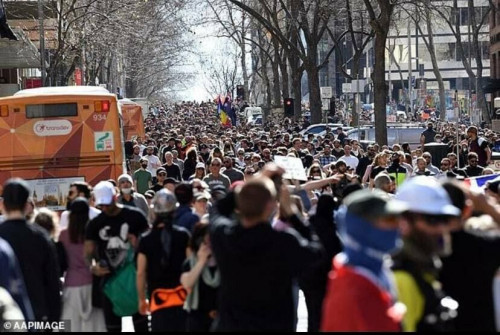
point(240, 92)
point(288, 102)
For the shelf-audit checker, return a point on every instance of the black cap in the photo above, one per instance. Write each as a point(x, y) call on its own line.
point(373, 204)
point(170, 180)
point(15, 192)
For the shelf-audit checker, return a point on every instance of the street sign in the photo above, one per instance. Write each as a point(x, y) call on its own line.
point(358, 86)
point(346, 88)
point(326, 92)
point(326, 104)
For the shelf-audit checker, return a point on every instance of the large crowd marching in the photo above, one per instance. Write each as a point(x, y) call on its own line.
point(207, 232)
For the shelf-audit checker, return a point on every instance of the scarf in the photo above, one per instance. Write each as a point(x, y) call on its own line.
point(192, 300)
point(367, 247)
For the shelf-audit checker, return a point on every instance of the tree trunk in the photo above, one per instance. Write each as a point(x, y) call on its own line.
point(355, 107)
point(243, 49)
point(297, 94)
point(435, 67)
point(481, 100)
point(314, 93)
point(285, 92)
point(276, 75)
point(380, 87)
point(267, 83)
point(295, 65)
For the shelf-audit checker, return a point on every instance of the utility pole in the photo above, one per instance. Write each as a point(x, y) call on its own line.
point(409, 66)
point(389, 91)
point(357, 100)
point(42, 40)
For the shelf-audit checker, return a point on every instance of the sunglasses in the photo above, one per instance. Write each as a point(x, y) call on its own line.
point(435, 220)
point(315, 171)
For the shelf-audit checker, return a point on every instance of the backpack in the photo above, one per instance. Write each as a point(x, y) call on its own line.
point(121, 288)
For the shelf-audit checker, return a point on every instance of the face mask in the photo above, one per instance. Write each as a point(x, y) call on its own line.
point(144, 165)
point(126, 190)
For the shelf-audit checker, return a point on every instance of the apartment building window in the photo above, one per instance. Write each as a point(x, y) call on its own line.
point(485, 49)
point(323, 78)
point(464, 16)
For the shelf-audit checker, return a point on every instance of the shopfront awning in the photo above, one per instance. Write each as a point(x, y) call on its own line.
point(18, 54)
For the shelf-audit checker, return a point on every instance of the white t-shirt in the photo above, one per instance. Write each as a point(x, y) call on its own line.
point(350, 161)
point(153, 164)
point(64, 221)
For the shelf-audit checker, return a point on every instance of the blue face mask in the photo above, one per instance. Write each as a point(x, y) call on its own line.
point(366, 235)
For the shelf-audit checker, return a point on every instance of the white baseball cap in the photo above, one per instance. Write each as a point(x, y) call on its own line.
point(126, 177)
point(104, 193)
point(200, 165)
point(425, 195)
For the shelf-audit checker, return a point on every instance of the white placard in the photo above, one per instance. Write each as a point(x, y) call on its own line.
point(51, 192)
point(293, 167)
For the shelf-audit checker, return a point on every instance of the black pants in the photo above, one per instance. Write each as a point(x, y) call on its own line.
point(314, 302)
point(198, 322)
point(171, 319)
point(114, 322)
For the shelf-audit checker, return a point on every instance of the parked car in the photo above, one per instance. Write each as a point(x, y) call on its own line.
point(400, 135)
point(318, 128)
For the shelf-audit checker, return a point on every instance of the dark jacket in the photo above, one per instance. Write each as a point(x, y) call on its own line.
point(189, 168)
point(257, 267)
point(38, 261)
point(184, 217)
point(467, 276)
point(12, 280)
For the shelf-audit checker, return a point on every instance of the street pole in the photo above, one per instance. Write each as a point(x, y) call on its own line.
point(389, 95)
point(42, 40)
point(409, 66)
point(357, 100)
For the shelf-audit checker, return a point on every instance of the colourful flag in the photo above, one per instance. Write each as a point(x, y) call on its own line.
point(221, 112)
point(477, 183)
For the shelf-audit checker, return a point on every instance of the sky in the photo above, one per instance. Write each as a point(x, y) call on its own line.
point(206, 44)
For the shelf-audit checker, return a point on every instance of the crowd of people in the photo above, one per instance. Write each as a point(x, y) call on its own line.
point(206, 232)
